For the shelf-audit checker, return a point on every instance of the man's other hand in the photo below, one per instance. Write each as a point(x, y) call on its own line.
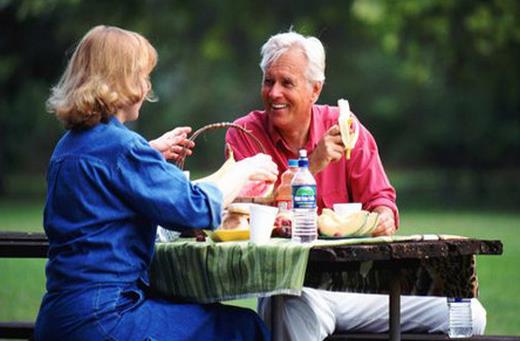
point(330, 148)
point(386, 224)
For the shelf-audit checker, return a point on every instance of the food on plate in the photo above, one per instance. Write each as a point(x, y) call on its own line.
point(257, 189)
point(221, 235)
point(235, 224)
point(357, 224)
point(252, 189)
point(347, 126)
point(283, 224)
point(236, 217)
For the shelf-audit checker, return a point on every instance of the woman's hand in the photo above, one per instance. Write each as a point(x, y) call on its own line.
point(386, 224)
point(330, 148)
point(259, 167)
point(172, 143)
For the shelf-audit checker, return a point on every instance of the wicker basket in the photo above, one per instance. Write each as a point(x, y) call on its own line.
point(227, 125)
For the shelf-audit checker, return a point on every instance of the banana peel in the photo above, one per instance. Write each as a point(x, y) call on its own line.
point(346, 122)
point(357, 224)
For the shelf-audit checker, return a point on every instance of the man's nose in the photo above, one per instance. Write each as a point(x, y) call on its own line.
point(275, 91)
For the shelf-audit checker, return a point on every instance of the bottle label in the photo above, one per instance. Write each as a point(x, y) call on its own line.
point(304, 196)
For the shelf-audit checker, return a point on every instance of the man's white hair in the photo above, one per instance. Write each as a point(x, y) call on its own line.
point(310, 46)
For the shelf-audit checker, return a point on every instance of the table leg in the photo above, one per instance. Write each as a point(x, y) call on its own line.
point(276, 317)
point(395, 306)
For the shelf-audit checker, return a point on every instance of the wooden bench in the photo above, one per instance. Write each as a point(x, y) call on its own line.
point(35, 245)
point(16, 330)
point(21, 245)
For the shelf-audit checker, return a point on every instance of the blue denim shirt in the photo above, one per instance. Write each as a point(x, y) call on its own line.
point(107, 192)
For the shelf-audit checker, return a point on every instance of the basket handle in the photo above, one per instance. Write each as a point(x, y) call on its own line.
point(213, 126)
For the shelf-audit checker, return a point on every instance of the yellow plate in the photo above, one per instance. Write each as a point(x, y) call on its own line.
point(229, 235)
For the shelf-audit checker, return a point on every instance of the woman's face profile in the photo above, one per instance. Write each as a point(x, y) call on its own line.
point(131, 112)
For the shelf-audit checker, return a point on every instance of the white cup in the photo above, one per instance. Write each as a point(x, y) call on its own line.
point(347, 208)
point(261, 223)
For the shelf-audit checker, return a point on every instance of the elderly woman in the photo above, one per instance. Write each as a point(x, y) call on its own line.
point(293, 69)
point(108, 189)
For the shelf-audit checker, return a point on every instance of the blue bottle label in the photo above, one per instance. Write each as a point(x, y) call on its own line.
point(304, 196)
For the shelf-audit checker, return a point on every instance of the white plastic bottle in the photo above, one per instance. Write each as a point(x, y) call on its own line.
point(460, 321)
point(303, 186)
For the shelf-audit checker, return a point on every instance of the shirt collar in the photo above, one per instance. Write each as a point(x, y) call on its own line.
point(314, 130)
point(115, 122)
point(273, 132)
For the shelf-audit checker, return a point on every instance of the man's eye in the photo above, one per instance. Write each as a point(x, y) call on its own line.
point(288, 83)
point(268, 82)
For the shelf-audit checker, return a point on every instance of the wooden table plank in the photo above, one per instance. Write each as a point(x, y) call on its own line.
point(405, 250)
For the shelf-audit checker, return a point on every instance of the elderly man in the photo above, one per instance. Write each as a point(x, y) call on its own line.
point(293, 76)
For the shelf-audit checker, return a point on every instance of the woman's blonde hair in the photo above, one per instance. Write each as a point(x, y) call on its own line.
point(109, 70)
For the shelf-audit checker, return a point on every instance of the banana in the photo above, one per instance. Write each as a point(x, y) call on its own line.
point(345, 122)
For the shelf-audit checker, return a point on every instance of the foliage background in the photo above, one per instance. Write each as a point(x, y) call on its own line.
point(437, 82)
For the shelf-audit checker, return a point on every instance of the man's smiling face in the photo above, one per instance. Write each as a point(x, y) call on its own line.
point(287, 94)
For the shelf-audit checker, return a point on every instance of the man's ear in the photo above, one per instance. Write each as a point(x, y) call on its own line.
point(316, 91)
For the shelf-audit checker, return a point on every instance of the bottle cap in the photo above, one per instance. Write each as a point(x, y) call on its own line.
point(303, 163)
point(293, 163)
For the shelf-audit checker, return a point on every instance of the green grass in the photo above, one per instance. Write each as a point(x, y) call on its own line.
point(499, 277)
point(22, 280)
point(18, 215)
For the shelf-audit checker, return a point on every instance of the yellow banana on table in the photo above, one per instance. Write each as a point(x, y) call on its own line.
point(345, 122)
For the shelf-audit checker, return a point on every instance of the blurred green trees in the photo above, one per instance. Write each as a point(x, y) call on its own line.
point(436, 81)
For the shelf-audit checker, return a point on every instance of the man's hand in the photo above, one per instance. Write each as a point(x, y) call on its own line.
point(386, 224)
point(330, 148)
point(171, 143)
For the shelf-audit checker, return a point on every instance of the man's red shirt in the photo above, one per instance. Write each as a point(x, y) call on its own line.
point(360, 179)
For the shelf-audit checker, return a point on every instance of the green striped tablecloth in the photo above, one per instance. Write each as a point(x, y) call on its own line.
point(208, 272)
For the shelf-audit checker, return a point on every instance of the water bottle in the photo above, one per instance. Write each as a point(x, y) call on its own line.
point(303, 187)
point(460, 321)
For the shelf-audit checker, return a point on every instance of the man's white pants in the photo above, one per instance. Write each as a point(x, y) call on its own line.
point(318, 313)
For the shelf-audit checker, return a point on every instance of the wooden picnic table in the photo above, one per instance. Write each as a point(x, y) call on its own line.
point(424, 267)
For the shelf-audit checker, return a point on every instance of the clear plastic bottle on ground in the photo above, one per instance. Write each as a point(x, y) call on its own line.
point(460, 321)
point(284, 192)
point(303, 185)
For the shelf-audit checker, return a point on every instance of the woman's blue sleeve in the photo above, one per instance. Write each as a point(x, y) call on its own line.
point(160, 192)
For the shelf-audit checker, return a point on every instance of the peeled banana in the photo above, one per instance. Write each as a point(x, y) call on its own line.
point(345, 122)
